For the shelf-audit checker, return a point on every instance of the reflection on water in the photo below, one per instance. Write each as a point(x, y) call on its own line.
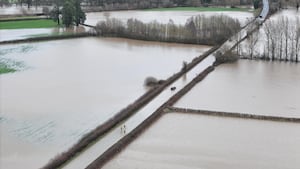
point(71, 86)
point(185, 141)
point(179, 17)
point(257, 87)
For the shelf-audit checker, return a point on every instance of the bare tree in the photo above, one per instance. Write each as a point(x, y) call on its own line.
point(252, 42)
point(267, 30)
point(286, 36)
point(297, 39)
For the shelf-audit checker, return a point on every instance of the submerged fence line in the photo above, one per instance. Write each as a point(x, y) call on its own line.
point(234, 115)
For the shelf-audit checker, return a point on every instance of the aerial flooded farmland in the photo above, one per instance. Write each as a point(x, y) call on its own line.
point(69, 87)
point(90, 84)
point(196, 141)
point(253, 87)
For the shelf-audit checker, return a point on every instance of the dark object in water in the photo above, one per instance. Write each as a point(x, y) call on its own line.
point(173, 88)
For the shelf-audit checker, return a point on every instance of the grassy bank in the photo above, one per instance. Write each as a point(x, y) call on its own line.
point(43, 23)
point(200, 9)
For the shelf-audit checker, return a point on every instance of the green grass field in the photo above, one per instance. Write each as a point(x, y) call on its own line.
point(18, 17)
point(5, 69)
point(44, 23)
point(200, 9)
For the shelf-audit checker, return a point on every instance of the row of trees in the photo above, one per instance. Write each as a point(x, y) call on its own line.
point(197, 30)
point(281, 41)
point(69, 11)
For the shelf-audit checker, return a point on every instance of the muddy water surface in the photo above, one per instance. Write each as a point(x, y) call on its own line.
point(16, 34)
point(178, 17)
point(184, 141)
point(18, 10)
point(256, 87)
point(69, 87)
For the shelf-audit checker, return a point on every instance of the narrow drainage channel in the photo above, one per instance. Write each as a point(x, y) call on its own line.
point(100, 146)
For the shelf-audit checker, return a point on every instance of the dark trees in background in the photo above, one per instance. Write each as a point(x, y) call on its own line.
point(68, 13)
point(79, 15)
point(55, 12)
point(256, 4)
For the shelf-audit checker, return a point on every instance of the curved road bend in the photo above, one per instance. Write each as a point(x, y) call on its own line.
point(100, 146)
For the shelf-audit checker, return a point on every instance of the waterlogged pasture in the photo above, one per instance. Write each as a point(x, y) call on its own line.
point(255, 87)
point(178, 17)
point(17, 34)
point(185, 141)
point(68, 87)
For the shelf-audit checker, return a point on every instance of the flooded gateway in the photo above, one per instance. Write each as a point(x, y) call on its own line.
point(69, 87)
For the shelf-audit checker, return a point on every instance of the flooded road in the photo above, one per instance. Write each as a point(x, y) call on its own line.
point(254, 87)
point(185, 141)
point(70, 86)
point(178, 17)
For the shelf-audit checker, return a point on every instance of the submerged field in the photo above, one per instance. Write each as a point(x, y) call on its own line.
point(200, 9)
point(185, 141)
point(71, 86)
point(255, 87)
point(178, 17)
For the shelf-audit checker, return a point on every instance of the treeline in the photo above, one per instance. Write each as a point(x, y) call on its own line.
point(134, 4)
point(283, 39)
point(197, 30)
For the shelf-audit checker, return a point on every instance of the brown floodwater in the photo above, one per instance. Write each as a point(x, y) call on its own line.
point(255, 87)
point(17, 34)
point(178, 17)
point(18, 10)
point(68, 87)
point(185, 141)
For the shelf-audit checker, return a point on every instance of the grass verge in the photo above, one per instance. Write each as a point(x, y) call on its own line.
point(43, 23)
point(200, 9)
